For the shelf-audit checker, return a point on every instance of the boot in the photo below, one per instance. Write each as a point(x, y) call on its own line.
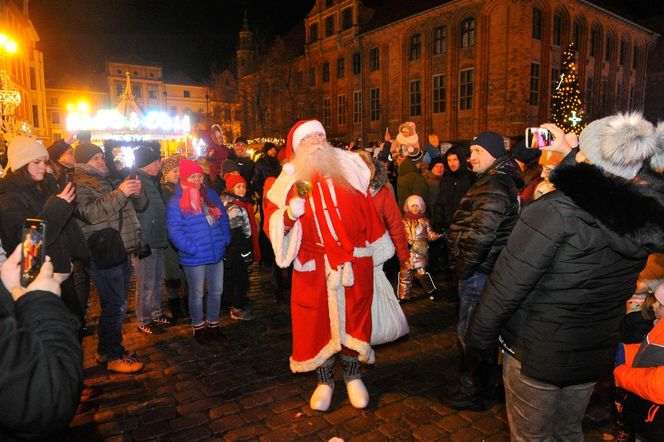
point(357, 392)
point(426, 281)
point(322, 396)
point(175, 308)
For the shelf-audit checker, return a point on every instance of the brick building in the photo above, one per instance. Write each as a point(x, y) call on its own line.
point(453, 67)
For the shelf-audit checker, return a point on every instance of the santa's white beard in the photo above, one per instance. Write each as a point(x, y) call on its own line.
point(318, 159)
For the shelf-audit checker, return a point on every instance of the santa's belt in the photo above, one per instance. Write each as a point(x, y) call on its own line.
point(358, 252)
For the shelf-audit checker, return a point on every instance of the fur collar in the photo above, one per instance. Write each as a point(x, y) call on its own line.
point(379, 178)
point(631, 210)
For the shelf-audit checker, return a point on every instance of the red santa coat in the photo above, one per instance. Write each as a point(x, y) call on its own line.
point(330, 305)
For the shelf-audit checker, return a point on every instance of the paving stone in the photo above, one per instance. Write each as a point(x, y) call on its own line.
point(281, 434)
point(188, 421)
point(429, 433)
point(191, 435)
point(224, 410)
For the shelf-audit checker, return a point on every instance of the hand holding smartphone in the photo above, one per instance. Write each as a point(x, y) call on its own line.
point(538, 137)
point(33, 249)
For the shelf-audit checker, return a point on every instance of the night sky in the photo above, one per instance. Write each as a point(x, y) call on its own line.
point(193, 36)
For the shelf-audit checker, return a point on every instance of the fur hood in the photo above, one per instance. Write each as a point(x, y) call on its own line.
point(380, 176)
point(625, 209)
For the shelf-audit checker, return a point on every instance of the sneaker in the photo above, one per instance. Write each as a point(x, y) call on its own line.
point(241, 314)
point(164, 320)
point(102, 359)
point(149, 328)
point(469, 404)
point(125, 365)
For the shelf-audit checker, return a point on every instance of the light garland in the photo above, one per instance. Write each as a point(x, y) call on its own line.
point(111, 124)
point(260, 140)
point(567, 109)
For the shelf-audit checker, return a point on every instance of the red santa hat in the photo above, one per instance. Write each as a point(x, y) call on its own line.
point(189, 167)
point(298, 132)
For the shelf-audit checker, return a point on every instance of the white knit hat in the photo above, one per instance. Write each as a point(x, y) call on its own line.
point(22, 150)
point(619, 144)
point(415, 199)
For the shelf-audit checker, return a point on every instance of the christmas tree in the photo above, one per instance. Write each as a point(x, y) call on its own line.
point(567, 110)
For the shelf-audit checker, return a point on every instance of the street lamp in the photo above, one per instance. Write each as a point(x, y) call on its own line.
point(10, 97)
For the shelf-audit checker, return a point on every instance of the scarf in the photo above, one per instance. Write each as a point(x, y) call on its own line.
point(193, 202)
point(410, 215)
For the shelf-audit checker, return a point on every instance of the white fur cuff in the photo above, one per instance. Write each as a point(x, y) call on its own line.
point(285, 246)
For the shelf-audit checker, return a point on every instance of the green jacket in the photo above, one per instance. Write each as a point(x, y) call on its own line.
point(153, 218)
point(410, 182)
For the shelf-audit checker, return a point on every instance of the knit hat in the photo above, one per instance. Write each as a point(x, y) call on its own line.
point(232, 180)
point(521, 153)
point(241, 139)
point(56, 149)
point(229, 166)
point(22, 150)
point(85, 151)
point(189, 167)
point(437, 160)
point(414, 199)
point(267, 146)
point(619, 144)
point(492, 142)
point(170, 163)
point(298, 132)
point(144, 156)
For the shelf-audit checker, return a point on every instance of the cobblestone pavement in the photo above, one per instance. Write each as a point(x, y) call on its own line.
point(244, 390)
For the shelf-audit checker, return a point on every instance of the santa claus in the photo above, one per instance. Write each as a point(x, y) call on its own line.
point(321, 219)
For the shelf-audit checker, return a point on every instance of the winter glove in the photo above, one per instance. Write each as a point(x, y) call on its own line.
point(295, 208)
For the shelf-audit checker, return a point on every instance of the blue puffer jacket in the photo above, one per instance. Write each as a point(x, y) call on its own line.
point(197, 242)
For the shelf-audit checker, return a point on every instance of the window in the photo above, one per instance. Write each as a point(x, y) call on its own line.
point(374, 104)
point(609, 48)
point(534, 83)
point(33, 79)
point(57, 136)
point(119, 88)
point(152, 93)
point(341, 110)
point(312, 76)
point(326, 71)
point(357, 63)
point(341, 67)
point(468, 33)
point(329, 26)
point(635, 57)
point(136, 90)
point(466, 89)
point(439, 40)
point(357, 107)
point(623, 51)
point(594, 40)
point(537, 24)
point(439, 89)
point(186, 94)
point(415, 45)
point(346, 19)
point(555, 79)
point(415, 98)
point(557, 29)
point(55, 117)
point(313, 33)
point(35, 115)
point(374, 59)
point(54, 101)
point(326, 112)
point(576, 36)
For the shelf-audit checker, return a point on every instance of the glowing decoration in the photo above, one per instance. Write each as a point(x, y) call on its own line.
point(574, 119)
point(567, 109)
point(111, 124)
point(261, 140)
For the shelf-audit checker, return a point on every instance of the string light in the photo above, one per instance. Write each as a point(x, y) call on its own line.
point(567, 109)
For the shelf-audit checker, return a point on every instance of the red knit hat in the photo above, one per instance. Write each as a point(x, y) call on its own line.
point(300, 130)
point(189, 167)
point(233, 179)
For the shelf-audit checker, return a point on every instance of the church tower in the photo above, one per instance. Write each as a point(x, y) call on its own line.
point(246, 55)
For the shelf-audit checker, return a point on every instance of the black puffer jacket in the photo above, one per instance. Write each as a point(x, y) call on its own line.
point(266, 167)
point(484, 218)
point(453, 186)
point(557, 293)
point(21, 198)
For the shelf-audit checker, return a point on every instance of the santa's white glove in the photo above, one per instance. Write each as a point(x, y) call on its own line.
point(295, 208)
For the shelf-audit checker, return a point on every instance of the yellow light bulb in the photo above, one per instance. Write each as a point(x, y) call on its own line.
point(11, 46)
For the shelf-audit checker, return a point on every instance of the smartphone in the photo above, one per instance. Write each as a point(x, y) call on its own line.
point(537, 137)
point(133, 175)
point(33, 249)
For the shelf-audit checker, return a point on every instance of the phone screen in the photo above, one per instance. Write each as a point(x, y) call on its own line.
point(33, 249)
point(537, 137)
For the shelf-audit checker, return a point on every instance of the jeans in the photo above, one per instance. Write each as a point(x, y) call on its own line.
point(196, 277)
point(149, 280)
point(470, 290)
point(538, 411)
point(112, 287)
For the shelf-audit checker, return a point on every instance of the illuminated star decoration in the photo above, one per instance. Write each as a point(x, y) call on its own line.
point(574, 119)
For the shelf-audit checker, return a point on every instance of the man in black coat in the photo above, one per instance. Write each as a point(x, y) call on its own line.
point(478, 232)
point(557, 293)
point(42, 360)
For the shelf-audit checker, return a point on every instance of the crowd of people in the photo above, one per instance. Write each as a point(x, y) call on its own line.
point(544, 248)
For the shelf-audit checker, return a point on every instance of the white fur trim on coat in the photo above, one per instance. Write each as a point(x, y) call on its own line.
point(383, 249)
point(285, 246)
